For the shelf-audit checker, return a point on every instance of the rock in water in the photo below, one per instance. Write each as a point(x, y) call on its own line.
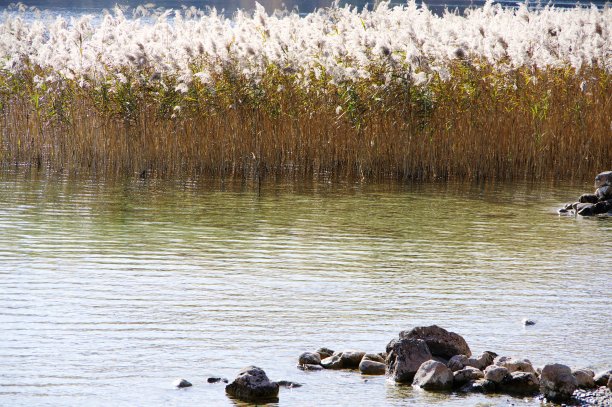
point(557, 382)
point(496, 374)
point(333, 362)
point(603, 193)
point(309, 358)
point(601, 378)
point(588, 198)
point(440, 341)
point(584, 378)
point(375, 357)
point(404, 357)
point(514, 365)
point(528, 322)
point(181, 383)
point(433, 375)
point(325, 352)
point(252, 384)
point(371, 367)
point(603, 179)
point(351, 359)
point(465, 375)
point(520, 383)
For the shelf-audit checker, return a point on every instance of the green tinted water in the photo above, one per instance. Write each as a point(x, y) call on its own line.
point(111, 290)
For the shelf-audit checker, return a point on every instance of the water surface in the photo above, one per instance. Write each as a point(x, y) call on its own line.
point(111, 290)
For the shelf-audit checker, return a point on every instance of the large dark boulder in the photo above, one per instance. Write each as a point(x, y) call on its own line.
point(334, 362)
point(604, 193)
point(433, 375)
point(252, 385)
point(440, 341)
point(557, 382)
point(584, 378)
point(404, 357)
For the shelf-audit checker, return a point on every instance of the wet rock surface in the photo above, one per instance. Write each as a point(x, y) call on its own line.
point(350, 359)
point(181, 383)
point(404, 357)
point(433, 375)
point(371, 367)
point(440, 341)
point(557, 382)
point(309, 358)
point(465, 375)
point(520, 384)
point(252, 385)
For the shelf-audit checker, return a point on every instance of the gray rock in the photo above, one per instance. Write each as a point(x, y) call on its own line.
point(485, 359)
point(375, 357)
point(371, 367)
point(588, 198)
point(457, 362)
point(308, 368)
point(181, 383)
point(603, 179)
point(252, 384)
point(351, 359)
point(585, 209)
point(325, 352)
point(520, 383)
point(602, 207)
point(514, 365)
point(479, 386)
point(333, 362)
point(603, 193)
point(557, 382)
point(216, 380)
point(610, 382)
point(465, 375)
point(584, 378)
point(440, 341)
point(496, 374)
point(288, 385)
point(404, 357)
point(309, 358)
point(433, 375)
point(601, 378)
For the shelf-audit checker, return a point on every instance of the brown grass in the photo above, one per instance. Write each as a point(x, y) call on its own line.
point(481, 124)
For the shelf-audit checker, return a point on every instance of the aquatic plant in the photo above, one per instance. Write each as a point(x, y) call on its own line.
point(392, 92)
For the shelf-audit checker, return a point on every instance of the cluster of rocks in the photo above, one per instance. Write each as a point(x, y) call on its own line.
point(433, 358)
point(252, 384)
point(597, 203)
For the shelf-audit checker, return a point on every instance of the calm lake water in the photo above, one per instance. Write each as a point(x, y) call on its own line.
point(111, 290)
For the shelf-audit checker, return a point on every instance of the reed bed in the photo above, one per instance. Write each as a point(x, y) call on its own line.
point(396, 92)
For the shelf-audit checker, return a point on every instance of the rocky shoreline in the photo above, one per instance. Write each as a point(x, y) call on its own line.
point(597, 203)
point(434, 359)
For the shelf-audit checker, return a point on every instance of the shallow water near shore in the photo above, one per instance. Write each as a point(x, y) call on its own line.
point(111, 290)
